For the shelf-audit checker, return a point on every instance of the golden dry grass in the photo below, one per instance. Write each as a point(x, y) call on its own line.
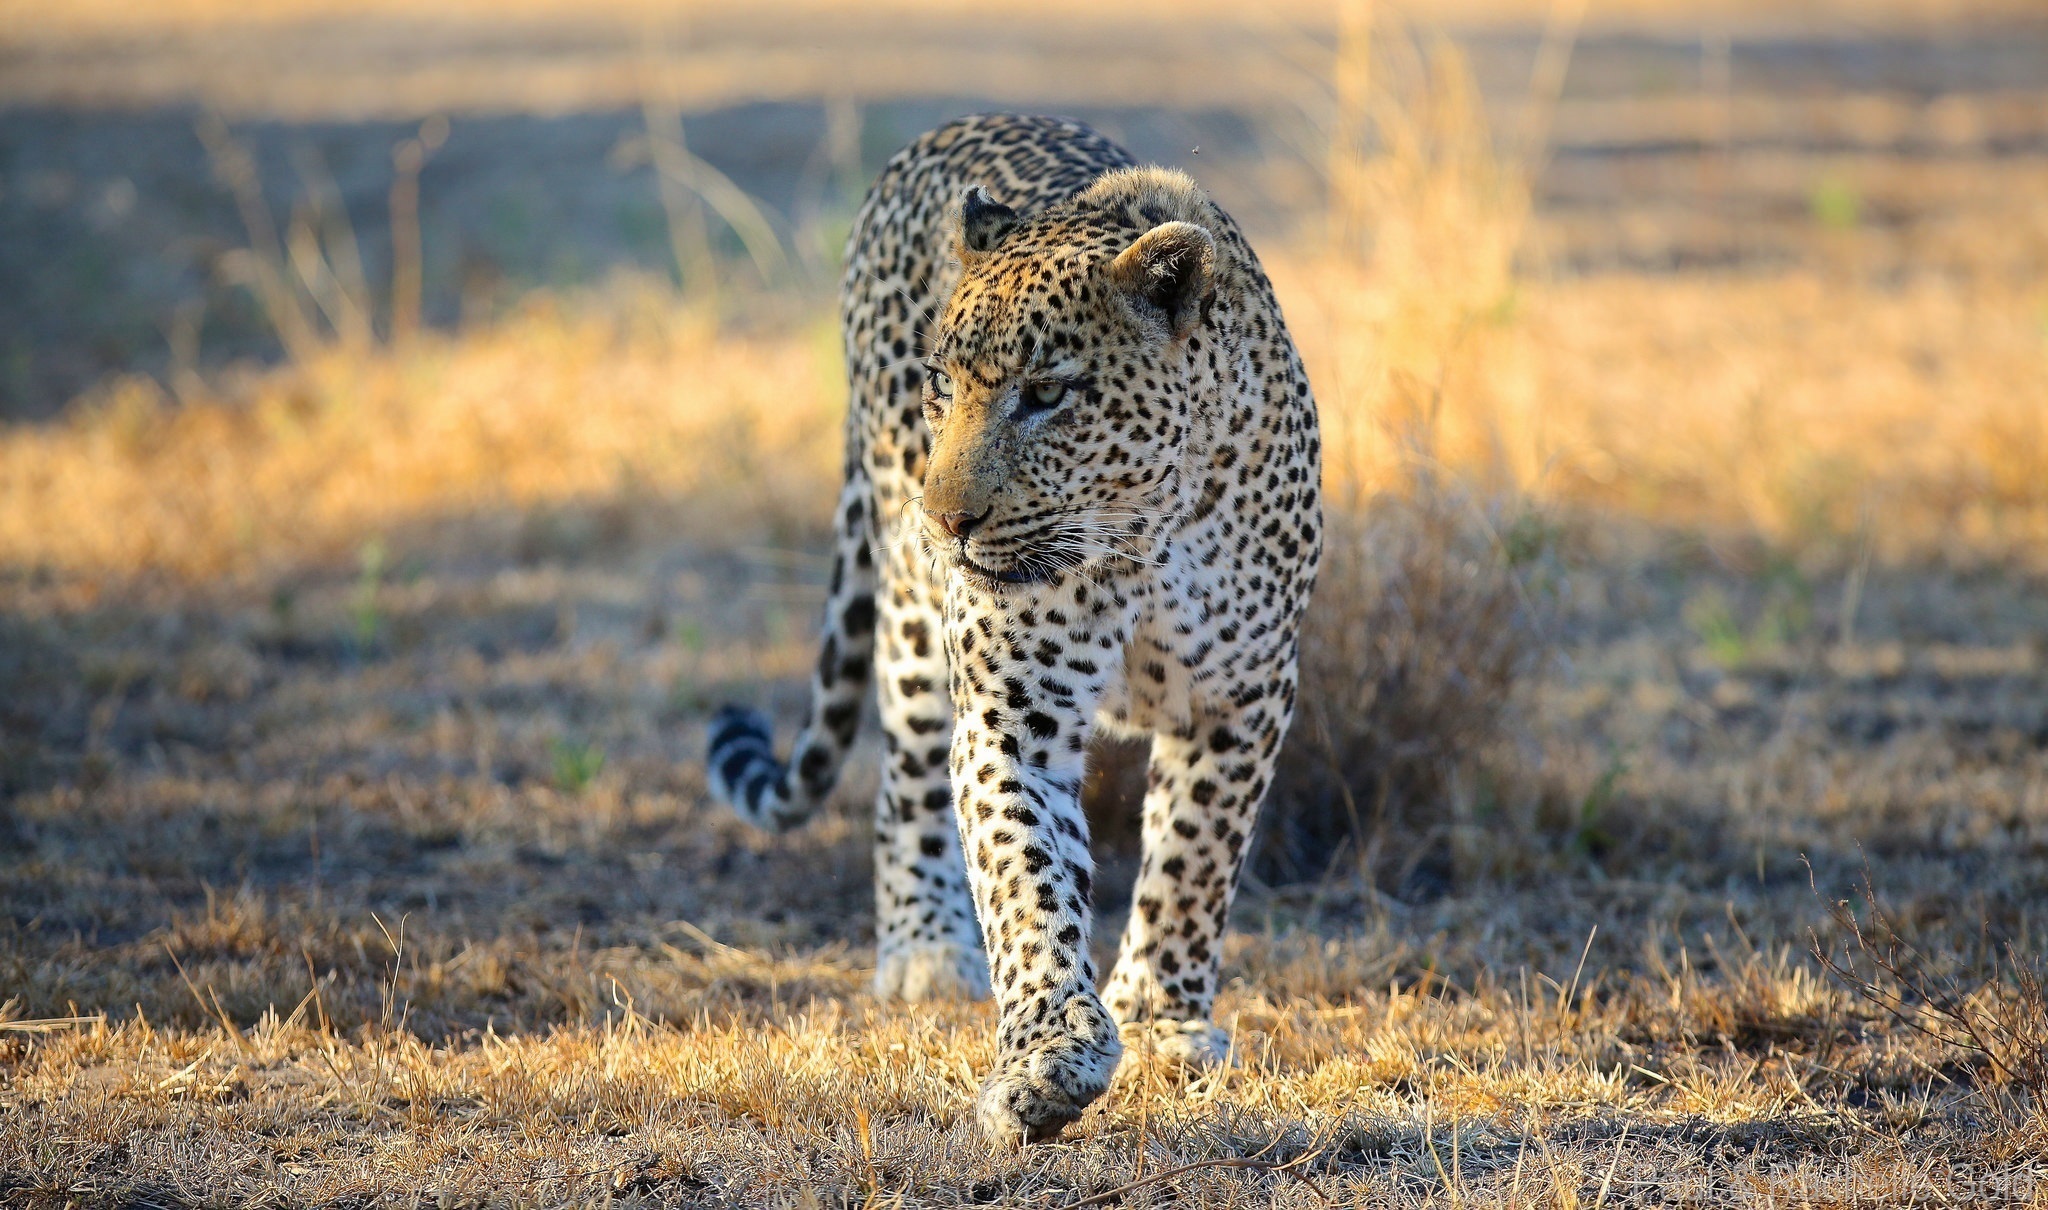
point(356, 850)
point(1553, 1094)
point(1790, 406)
point(1787, 407)
point(554, 406)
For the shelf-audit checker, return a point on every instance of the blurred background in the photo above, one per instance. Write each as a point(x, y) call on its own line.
point(415, 417)
point(1809, 237)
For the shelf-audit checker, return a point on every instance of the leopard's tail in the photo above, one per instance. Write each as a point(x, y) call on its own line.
point(743, 768)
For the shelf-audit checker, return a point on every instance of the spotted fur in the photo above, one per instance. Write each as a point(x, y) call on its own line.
point(1081, 490)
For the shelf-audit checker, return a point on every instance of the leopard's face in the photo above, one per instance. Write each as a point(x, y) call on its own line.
point(1054, 395)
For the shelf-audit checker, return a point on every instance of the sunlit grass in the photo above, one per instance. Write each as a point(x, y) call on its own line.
point(1790, 408)
point(633, 399)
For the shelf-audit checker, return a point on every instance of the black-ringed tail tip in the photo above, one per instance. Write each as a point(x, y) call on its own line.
point(744, 771)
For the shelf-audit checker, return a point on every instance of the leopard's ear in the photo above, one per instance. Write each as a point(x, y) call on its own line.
point(1168, 274)
point(983, 222)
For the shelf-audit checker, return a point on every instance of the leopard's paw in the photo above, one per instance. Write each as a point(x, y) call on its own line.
point(1032, 1095)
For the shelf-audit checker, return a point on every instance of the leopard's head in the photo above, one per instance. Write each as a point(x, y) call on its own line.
point(1065, 371)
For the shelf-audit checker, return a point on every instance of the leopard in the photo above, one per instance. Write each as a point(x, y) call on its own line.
point(1082, 497)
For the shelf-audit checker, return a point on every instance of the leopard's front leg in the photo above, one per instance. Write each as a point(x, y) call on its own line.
point(1027, 668)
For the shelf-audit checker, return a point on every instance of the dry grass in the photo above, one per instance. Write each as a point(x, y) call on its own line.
point(1405, 1056)
point(626, 399)
point(1429, 615)
point(355, 846)
point(1913, 420)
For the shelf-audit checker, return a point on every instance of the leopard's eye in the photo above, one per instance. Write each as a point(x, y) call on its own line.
point(942, 383)
point(1041, 396)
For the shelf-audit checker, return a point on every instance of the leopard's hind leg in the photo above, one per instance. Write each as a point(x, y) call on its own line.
point(927, 945)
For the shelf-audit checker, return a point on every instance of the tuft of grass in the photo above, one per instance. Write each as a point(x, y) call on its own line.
point(1714, 622)
point(364, 611)
point(1424, 626)
point(575, 765)
point(1590, 836)
point(1835, 204)
point(1995, 1012)
point(1782, 619)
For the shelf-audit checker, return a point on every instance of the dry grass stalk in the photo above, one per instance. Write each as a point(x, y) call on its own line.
point(2000, 1015)
point(691, 191)
point(407, 257)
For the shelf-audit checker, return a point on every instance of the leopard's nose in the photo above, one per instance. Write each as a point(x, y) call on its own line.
point(959, 524)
